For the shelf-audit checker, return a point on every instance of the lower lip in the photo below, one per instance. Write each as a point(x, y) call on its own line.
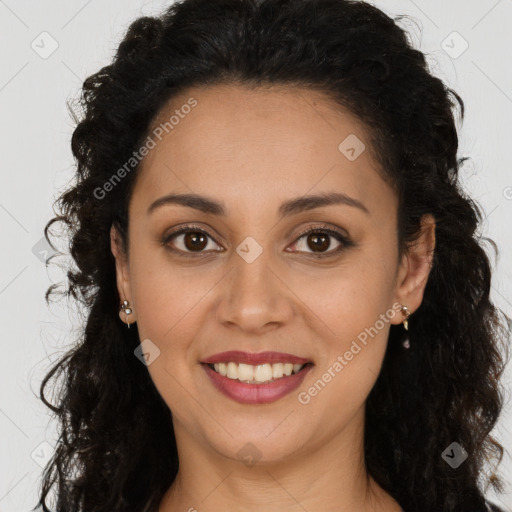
point(256, 393)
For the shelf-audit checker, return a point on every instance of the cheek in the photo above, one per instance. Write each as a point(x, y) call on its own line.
point(166, 294)
point(347, 297)
point(351, 313)
point(351, 351)
point(167, 302)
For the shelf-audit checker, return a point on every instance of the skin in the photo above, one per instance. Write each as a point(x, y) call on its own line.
point(252, 149)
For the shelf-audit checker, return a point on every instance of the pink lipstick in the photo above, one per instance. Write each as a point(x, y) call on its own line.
point(256, 393)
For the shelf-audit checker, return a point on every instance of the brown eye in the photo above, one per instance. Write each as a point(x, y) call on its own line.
point(194, 240)
point(191, 241)
point(188, 240)
point(318, 241)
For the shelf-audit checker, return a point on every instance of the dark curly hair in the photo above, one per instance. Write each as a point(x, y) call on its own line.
point(116, 450)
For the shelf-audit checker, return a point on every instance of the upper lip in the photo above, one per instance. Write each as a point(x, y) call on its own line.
point(239, 356)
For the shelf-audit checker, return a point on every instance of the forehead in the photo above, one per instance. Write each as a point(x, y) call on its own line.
point(267, 143)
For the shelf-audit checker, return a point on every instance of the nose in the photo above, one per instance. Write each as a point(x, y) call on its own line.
point(254, 298)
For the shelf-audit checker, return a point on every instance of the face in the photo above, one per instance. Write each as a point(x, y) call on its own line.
point(250, 280)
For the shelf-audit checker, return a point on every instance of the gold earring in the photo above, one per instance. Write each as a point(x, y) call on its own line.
point(405, 311)
point(126, 310)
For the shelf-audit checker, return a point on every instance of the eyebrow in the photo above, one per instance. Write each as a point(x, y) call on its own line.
point(288, 208)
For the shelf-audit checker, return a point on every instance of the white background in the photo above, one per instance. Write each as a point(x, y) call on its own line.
point(36, 163)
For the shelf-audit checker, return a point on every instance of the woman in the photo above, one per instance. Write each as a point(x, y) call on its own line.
point(285, 291)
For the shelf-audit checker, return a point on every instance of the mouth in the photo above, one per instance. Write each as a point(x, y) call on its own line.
point(270, 379)
point(256, 368)
point(265, 373)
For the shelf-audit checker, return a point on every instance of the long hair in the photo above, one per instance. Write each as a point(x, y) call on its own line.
point(117, 450)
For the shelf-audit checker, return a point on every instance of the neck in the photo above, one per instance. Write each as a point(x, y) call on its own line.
point(327, 477)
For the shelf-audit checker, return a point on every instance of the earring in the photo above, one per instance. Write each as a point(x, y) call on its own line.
point(405, 311)
point(126, 310)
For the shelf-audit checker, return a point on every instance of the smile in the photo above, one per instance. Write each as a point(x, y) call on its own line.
point(260, 374)
point(259, 378)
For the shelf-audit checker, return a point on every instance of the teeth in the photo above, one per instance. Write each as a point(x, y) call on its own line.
point(256, 374)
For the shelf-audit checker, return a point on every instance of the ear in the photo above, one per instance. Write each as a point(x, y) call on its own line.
point(415, 268)
point(122, 275)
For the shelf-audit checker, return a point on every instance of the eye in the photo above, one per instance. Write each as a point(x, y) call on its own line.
point(318, 240)
point(190, 239)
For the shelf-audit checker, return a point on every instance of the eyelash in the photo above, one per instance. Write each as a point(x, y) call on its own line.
point(343, 239)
